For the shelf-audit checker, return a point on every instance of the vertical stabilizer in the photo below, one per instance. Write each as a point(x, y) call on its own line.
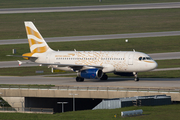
point(36, 42)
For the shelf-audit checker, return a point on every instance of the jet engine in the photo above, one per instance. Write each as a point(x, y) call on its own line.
point(90, 73)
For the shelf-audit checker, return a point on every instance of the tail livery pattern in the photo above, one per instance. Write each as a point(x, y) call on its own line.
point(36, 42)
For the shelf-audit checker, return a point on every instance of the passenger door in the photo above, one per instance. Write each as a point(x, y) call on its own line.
point(130, 60)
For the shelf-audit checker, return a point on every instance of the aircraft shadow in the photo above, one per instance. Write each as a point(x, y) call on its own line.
point(132, 79)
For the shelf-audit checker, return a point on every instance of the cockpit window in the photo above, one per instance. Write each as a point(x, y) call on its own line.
point(148, 58)
point(145, 58)
point(140, 58)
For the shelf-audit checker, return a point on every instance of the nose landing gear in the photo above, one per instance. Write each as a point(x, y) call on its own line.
point(136, 79)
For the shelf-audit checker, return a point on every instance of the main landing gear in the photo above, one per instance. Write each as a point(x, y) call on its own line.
point(104, 77)
point(79, 79)
point(136, 79)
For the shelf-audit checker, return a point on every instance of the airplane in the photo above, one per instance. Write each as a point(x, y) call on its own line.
point(87, 64)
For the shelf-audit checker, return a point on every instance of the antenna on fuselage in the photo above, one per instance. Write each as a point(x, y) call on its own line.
point(134, 50)
point(75, 50)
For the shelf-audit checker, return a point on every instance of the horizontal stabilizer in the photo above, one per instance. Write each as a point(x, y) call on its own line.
point(20, 56)
point(20, 63)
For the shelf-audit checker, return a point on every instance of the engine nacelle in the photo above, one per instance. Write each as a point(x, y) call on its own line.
point(124, 73)
point(90, 73)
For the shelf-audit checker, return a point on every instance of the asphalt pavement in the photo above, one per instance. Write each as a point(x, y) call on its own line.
point(118, 82)
point(95, 37)
point(91, 8)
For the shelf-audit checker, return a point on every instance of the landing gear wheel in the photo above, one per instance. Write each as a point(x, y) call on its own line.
point(104, 77)
point(79, 79)
point(136, 79)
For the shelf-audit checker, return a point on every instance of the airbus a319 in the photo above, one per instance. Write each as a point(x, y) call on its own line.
point(87, 64)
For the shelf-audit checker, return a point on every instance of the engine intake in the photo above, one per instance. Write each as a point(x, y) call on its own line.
point(90, 73)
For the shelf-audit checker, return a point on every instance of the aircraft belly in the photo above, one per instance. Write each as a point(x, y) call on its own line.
point(64, 68)
point(108, 68)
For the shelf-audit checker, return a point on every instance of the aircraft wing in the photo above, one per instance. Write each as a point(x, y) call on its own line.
point(73, 66)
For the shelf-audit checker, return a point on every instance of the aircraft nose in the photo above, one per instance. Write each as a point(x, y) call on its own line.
point(155, 65)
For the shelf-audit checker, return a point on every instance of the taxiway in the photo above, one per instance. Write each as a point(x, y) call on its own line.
point(91, 8)
point(111, 82)
point(95, 37)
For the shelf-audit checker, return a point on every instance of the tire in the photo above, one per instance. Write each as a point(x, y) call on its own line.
point(104, 77)
point(136, 79)
point(79, 79)
point(82, 80)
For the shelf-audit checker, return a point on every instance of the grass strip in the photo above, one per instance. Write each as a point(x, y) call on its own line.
point(25, 86)
point(27, 71)
point(91, 23)
point(146, 45)
point(149, 113)
point(160, 74)
point(168, 63)
point(56, 3)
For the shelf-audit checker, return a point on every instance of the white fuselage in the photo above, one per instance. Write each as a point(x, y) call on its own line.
point(118, 61)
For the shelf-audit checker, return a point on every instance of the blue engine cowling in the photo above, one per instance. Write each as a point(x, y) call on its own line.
point(91, 73)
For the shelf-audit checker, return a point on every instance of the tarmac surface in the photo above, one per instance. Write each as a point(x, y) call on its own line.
point(111, 82)
point(91, 8)
point(165, 56)
point(95, 37)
